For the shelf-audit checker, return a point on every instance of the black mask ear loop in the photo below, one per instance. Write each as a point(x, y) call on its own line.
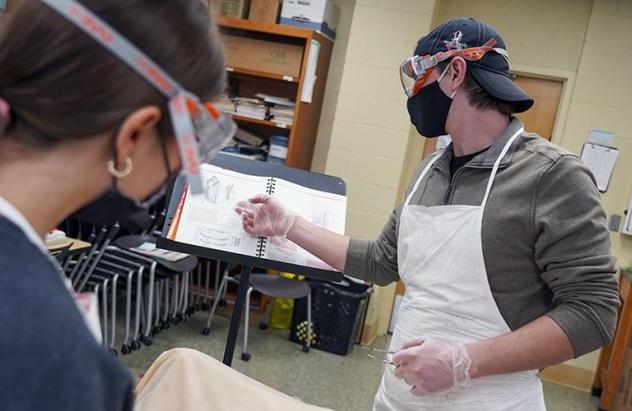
point(165, 155)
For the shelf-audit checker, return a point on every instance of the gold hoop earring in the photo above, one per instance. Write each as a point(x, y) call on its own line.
point(120, 174)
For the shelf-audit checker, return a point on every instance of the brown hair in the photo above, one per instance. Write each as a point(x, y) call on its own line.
point(61, 84)
point(479, 98)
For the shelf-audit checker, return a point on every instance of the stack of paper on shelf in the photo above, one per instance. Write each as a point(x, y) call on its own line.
point(281, 108)
point(251, 107)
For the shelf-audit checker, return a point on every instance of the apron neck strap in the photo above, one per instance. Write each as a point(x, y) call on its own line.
point(422, 175)
point(502, 154)
point(490, 182)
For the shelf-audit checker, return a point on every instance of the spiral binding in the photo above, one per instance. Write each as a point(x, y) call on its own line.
point(261, 246)
point(263, 241)
point(270, 186)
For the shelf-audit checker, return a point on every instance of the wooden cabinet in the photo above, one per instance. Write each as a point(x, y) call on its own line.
point(251, 80)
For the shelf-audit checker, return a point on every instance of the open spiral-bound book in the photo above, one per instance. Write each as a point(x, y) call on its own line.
point(209, 220)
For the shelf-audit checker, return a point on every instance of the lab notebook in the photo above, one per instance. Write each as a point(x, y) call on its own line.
point(209, 220)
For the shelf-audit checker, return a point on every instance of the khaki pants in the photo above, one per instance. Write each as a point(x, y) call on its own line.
point(185, 380)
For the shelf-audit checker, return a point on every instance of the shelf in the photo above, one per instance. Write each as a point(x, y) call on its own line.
point(261, 122)
point(278, 29)
point(262, 74)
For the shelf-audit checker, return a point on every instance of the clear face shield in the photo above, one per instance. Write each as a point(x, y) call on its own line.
point(414, 71)
point(201, 130)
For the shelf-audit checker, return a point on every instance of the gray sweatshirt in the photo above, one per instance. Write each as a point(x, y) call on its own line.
point(545, 240)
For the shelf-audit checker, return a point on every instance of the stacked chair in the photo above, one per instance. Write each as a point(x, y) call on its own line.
point(154, 291)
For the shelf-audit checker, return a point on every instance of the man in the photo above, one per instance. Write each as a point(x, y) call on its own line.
point(501, 241)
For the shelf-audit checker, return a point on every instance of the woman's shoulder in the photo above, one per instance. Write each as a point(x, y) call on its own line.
point(45, 341)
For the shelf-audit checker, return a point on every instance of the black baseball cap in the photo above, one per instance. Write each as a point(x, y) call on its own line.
point(491, 72)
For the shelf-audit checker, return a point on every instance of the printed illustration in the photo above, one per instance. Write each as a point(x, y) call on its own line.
point(215, 192)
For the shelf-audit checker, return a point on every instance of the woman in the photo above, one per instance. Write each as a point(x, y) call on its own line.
point(77, 124)
point(88, 113)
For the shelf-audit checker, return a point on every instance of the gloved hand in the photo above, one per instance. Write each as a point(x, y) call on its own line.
point(431, 366)
point(265, 216)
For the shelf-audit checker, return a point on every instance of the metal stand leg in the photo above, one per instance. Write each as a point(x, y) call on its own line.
point(236, 317)
point(245, 355)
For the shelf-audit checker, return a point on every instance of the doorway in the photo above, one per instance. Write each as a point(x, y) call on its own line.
point(540, 118)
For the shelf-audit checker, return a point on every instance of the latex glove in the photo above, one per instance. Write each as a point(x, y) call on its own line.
point(265, 216)
point(431, 366)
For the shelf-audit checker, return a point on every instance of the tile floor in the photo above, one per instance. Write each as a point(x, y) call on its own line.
point(343, 383)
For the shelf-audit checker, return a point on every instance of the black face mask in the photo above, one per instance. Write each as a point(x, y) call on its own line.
point(429, 109)
point(114, 206)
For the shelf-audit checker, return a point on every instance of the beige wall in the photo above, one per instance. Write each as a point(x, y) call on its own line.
point(602, 98)
point(540, 33)
point(364, 132)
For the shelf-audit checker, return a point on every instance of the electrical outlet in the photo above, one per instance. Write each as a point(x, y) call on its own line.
point(615, 222)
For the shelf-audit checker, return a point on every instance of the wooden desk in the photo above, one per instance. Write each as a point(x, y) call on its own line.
point(76, 246)
point(611, 358)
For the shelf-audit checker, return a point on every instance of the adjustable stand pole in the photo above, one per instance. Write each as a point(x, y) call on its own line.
point(229, 351)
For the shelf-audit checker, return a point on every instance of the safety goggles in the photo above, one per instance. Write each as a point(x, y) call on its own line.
point(414, 72)
point(201, 130)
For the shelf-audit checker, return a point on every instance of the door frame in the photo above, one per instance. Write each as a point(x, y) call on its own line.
point(568, 83)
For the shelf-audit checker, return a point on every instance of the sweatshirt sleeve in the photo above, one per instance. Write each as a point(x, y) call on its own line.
point(572, 250)
point(375, 261)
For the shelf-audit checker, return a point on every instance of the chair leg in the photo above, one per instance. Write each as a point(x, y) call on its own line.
point(113, 334)
point(207, 284)
point(245, 355)
point(150, 304)
point(104, 302)
point(128, 312)
point(176, 296)
point(309, 323)
point(139, 297)
point(198, 286)
point(266, 317)
point(218, 291)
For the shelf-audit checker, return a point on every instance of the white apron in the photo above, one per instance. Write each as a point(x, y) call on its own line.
point(440, 260)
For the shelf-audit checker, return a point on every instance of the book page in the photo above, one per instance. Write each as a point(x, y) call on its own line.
point(323, 209)
point(209, 220)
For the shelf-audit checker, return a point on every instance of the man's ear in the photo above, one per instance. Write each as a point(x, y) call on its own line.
point(137, 125)
point(458, 72)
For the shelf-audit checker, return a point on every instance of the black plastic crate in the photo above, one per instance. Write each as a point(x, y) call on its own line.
point(338, 312)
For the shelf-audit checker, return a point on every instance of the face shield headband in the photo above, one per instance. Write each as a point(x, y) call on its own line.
point(201, 130)
point(414, 71)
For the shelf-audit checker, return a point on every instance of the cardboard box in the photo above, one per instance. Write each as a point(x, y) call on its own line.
point(264, 11)
point(266, 56)
point(321, 15)
point(623, 390)
point(230, 8)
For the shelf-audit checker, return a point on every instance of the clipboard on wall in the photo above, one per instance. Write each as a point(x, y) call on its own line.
point(600, 160)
